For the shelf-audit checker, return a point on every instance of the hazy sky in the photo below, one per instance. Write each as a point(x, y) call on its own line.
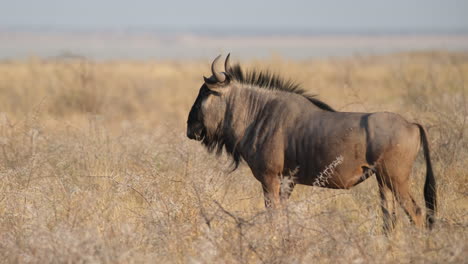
point(323, 15)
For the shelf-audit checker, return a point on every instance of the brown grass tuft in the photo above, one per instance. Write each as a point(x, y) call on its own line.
point(95, 167)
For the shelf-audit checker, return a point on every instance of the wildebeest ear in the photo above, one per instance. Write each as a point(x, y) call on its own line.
point(208, 80)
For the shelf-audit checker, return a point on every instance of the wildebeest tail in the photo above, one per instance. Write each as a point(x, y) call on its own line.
point(430, 194)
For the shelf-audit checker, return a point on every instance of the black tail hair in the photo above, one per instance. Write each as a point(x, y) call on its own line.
point(430, 194)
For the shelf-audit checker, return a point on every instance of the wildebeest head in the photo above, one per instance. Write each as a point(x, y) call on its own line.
point(208, 110)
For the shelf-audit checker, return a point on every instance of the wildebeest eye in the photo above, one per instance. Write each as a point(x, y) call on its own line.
point(215, 93)
point(210, 92)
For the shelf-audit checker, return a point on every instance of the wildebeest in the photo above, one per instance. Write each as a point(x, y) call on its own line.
point(280, 131)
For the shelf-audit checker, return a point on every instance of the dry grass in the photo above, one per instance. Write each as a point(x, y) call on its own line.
point(95, 167)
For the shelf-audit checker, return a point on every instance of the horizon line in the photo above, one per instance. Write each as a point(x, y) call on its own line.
point(234, 30)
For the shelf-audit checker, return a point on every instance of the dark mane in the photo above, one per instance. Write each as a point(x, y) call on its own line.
point(270, 81)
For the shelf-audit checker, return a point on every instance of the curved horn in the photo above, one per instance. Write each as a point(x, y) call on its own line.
point(227, 63)
point(220, 77)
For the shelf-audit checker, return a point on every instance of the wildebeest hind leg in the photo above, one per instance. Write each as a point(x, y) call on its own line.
point(396, 177)
point(410, 206)
point(387, 205)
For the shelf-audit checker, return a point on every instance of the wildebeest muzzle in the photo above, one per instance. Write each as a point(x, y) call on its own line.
point(196, 131)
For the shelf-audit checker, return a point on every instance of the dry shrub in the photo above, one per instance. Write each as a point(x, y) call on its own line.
point(95, 167)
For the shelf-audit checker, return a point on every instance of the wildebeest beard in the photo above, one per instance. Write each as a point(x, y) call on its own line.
point(217, 141)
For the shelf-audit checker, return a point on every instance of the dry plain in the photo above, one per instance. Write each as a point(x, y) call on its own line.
point(95, 166)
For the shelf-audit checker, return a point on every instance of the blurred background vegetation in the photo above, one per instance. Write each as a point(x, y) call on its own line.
point(94, 97)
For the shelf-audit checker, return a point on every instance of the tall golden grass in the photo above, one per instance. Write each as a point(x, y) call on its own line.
point(95, 166)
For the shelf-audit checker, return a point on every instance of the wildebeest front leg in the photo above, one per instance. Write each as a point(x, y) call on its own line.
point(271, 191)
